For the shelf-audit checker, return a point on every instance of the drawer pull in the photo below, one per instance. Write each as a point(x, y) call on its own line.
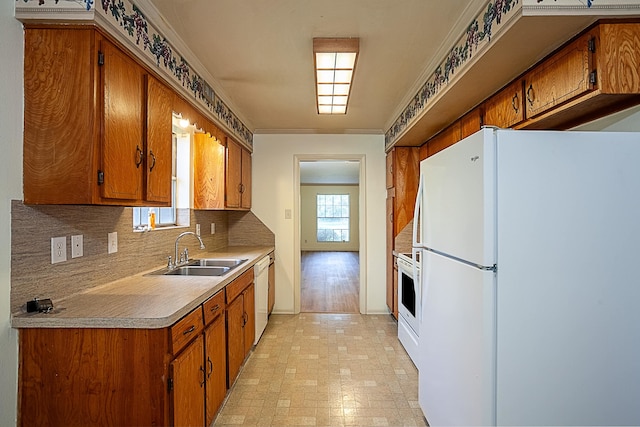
point(215, 308)
point(188, 331)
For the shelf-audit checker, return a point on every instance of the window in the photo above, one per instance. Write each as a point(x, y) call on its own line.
point(332, 217)
point(180, 181)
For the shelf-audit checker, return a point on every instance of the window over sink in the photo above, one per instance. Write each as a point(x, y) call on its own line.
point(180, 176)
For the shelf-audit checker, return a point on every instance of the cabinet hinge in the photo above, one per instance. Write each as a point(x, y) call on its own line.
point(100, 177)
point(100, 58)
point(170, 385)
point(591, 45)
point(593, 77)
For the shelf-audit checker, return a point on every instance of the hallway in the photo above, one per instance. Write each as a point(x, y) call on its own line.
point(330, 282)
point(326, 370)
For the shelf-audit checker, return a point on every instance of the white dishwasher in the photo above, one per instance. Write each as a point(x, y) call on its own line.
point(261, 280)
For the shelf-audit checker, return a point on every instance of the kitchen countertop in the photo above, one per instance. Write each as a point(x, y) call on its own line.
point(142, 300)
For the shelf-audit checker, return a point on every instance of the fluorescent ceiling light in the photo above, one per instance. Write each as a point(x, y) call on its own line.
point(335, 61)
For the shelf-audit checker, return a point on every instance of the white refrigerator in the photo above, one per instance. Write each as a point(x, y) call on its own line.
point(530, 291)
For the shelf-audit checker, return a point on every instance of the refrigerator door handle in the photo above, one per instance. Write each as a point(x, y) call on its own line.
point(417, 211)
point(417, 233)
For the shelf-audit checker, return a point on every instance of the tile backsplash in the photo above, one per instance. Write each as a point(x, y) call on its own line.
point(33, 226)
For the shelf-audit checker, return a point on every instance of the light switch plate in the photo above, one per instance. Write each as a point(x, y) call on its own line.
point(113, 242)
point(287, 214)
point(77, 246)
point(197, 229)
point(58, 249)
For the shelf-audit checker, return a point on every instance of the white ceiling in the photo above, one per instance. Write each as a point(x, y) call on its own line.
point(259, 54)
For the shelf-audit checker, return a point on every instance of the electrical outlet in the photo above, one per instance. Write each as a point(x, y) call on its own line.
point(213, 228)
point(113, 242)
point(76, 246)
point(197, 229)
point(58, 249)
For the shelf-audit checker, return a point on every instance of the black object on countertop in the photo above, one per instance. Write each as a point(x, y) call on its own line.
point(40, 305)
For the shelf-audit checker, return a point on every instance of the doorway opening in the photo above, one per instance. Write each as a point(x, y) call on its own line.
point(330, 282)
point(329, 240)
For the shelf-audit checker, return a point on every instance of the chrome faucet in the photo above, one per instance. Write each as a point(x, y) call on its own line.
point(178, 261)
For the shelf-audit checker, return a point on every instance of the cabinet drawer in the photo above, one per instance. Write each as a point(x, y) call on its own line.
point(186, 329)
point(236, 287)
point(213, 307)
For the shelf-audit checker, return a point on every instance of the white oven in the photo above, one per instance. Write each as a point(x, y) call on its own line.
point(408, 305)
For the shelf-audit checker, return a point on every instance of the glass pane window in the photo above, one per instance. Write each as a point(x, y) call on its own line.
point(165, 217)
point(332, 217)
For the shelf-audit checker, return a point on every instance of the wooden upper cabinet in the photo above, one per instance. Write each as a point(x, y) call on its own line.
point(61, 124)
point(159, 155)
point(88, 135)
point(389, 161)
point(444, 139)
point(245, 202)
point(123, 148)
point(407, 175)
point(505, 108)
point(563, 76)
point(592, 76)
point(208, 172)
point(618, 58)
point(238, 174)
point(470, 123)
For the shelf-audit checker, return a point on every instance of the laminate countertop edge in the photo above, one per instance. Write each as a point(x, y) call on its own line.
point(141, 301)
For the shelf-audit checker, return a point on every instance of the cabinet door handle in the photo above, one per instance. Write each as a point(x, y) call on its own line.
point(188, 331)
point(153, 160)
point(515, 102)
point(240, 188)
point(210, 367)
point(204, 375)
point(139, 156)
point(530, 95)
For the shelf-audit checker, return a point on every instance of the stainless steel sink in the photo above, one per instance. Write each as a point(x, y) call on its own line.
point(193, 270)
point(203, 267)
point(217, 262)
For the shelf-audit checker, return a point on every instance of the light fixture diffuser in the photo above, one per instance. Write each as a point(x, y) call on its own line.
point(335, 61)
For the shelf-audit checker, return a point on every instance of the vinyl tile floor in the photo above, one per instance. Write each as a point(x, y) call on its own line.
point(326, 370)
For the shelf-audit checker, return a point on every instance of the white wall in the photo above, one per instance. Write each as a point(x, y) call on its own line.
point(274, 170)
point(11, 106)
point(623, 121)
point(309, 217)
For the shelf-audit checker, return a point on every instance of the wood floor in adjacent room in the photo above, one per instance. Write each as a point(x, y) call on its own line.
point(330, 282)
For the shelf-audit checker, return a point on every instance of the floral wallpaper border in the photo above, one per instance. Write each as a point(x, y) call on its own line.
point(477, 36)
point(132, 24)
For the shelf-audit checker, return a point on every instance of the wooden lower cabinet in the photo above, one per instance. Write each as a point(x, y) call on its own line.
point(240, 331)
point(137, 377)
point(80, 377)
point(216, 367)
point(188, 378)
